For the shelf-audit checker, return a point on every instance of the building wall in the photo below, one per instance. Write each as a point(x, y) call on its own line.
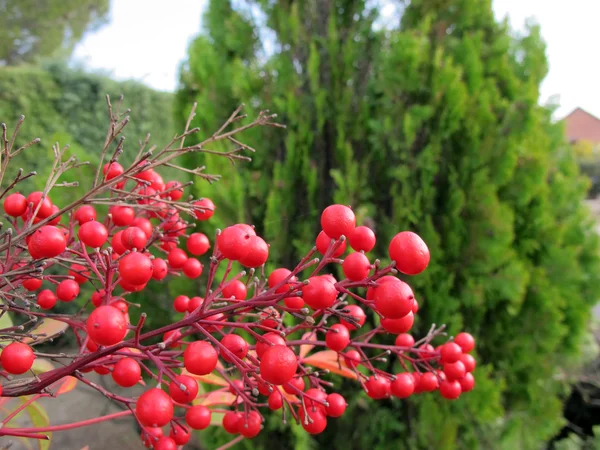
point(580, 125)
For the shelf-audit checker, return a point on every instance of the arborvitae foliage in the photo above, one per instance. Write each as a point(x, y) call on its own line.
point(433, 124)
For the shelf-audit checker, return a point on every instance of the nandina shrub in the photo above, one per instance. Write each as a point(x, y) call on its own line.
point(256, 341)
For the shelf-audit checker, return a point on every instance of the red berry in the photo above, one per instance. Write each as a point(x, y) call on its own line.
point(154, 408)
point(192, 268)
point(403, 386)
point(195, 303)
point(232, 421)
point(47, 242)
point(106, 325)
point(468, 361)
point(467, 383)
point(450, 389)
point(394, 299)
point(234, 243)
point(127, 372)
point(357, 314)
point(67, 290)
point(181, 303)
point(177, 258)
point(236, 345)
point(409, 252)
point(144, 224)
point(362, 239)
point(159, 269)
point(356, 266)
point(136, 268)
point(32, 284)
point(337, 405)
point(17, 358)
point(173, 191)
point(200, 358)
point(401, 325)
point(454, 371)
point(122, 216)
point(180, 395)
point(277, 277)
point(117, 243)
point(180, 435)
point(151, 435)
point(415, 307)
point(250, 426)
point(93, 234)
point(165, 443)
point(133, 237)
point(378, 387)
point(85, 213)
point(46, 205)
point(112, 170)
point(120, 304)
point(428, 382)
point(294, 303)
point(198, 417)
point(465, 341)
point(323, 242)
point(338, 220)
point(337, 338)
point(79, 272)
point(320, 293)
point(206, 209)
point(405, 340)
point(258, 253)
point(157, 182)
point(316, 421)
point(380, 281)
point(296, 382)
point(15, 205)
point(352, 358)
point(278, 365)
point(275, 400)
point(198, 244)
point(271, 340)
point(98, 297)
point(235, 289)
point(46, 299)
point(450, 353)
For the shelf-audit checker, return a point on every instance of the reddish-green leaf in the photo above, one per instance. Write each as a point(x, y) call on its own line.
point(328, 360)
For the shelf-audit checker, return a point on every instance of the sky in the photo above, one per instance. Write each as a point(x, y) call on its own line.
point(147, 40)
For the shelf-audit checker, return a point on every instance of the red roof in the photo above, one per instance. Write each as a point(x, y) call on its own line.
point(580, 125)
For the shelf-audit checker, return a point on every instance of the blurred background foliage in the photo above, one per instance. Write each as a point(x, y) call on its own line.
point(428, 122)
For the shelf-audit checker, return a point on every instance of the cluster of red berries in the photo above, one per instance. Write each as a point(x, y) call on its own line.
point(242, 342)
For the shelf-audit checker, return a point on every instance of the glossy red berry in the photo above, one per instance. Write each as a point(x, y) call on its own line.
point(401, 325)
point(17, 358)
point(409, 252)
point(180, 435)
point(294, 303)
point(198, 417)
point(136, 268)
point(177, 258)
point(183, 395)
point(393, 299)
point(250, 426)
point(338, 220)
point(79, 272)
point(159, 269)
point(46, 299)
point(198, 244)
point(323, 242)
point(206, 209)
point(428, 382)
point(67, 290)
point(465, 341)
point(275, 400)
point(235, 289)
point(278, 365)
point(45, 207)
point(258, 253)
point(144, 224)
point(151, 435)
point(271, 340)
point(200, 358)
point(122, 216)
point(337, 405)
point(337, 337)
point(93, 234)
point(98, 297)
point(234, 243)
point(154, 408)
point(295, 383)
point(192, 268)
point(85, 213)
point(315, 423)
point(319, 293)
point(15, 205)
point(405, 340)
point(127, 372)
point(450, 352)
point(32, 284)
point(107, 325)
point(356, 266)
point(468, 361)
point(195, 303)
point(362, 239)
point(133, 237)
point(467, 383)
point(47, 242)
point(236, 345)
point(232, 421)
point(181, 303)
point(378, 387)
point(454, 371)
point(357, 313)
point(175, 191)
point(352, 358)
point(403, 386)
point(112, 170)
point(450, 389)
point(117, 243)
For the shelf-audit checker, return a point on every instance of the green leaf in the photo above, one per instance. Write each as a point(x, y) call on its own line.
point(40, 419)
